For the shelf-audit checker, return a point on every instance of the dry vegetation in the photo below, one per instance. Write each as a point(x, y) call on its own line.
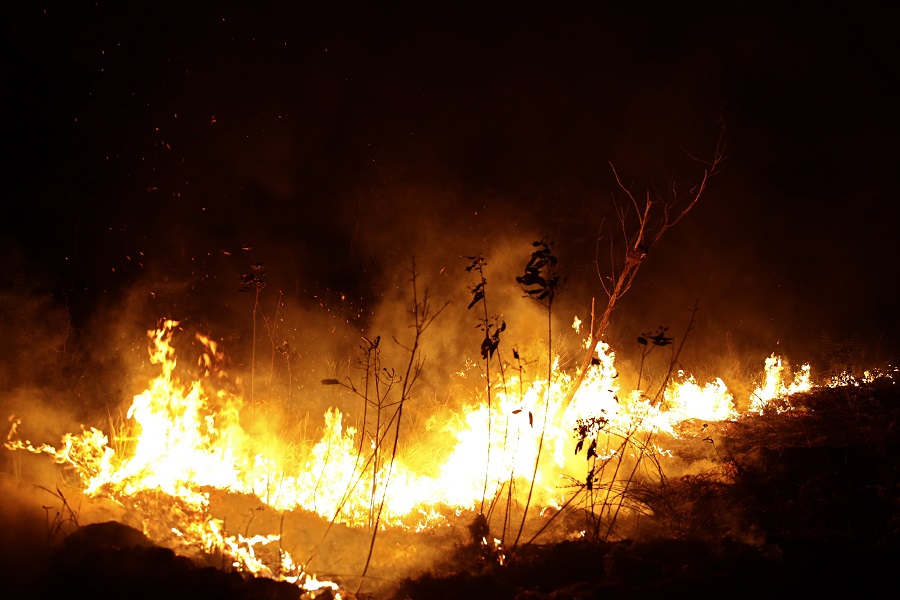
point(805, 501)
point(799, 502)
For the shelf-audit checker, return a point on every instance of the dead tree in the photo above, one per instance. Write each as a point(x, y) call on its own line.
point(643, 223)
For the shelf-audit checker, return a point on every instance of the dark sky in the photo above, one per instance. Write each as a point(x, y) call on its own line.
point(147, 144)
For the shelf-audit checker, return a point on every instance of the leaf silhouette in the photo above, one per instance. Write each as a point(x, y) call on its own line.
point(536, 281)
point(489, 346)
point(477, 295)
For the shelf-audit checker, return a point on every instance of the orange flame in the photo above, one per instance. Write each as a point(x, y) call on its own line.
point(188, 437)
point(777, 387)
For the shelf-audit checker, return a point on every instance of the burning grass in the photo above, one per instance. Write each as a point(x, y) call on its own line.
point(799, 502)
point(192, 468)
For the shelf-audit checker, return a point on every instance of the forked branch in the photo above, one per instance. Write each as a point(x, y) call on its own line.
point(652, 218)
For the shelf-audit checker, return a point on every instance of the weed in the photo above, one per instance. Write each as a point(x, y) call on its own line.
point(253, 280)
point(615, 456)
point(540, 282)
point(60, 521)
point(492, 327)
point(384, 392)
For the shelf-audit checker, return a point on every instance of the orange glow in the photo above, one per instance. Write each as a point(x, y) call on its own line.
point(777, 386)
point(186, 438)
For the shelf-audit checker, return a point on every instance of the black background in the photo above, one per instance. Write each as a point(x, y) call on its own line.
point(146, 145)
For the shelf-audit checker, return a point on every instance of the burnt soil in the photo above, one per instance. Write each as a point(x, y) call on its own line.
point(809, 503)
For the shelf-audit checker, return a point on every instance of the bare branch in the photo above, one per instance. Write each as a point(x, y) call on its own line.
point(656, 216)
point(623, 188)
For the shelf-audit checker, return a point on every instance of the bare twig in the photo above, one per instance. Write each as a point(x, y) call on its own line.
point(655, 216)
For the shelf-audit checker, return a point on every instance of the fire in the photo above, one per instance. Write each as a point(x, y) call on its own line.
point(187, 438)
point(776, 386)
point(868, 376)
point(686, 399)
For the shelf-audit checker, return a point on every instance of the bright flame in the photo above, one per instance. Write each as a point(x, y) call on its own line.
point(776, 387)
point(188, 438)
point(689, 400)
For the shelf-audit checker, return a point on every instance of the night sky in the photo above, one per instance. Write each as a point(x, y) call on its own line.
point(154, 152)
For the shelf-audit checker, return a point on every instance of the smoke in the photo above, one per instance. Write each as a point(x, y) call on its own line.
point(295, 191)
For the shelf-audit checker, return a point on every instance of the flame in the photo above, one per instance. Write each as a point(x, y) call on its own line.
point(777, 387)
point(186, 438)
point(686, 399)
point(868, 376)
